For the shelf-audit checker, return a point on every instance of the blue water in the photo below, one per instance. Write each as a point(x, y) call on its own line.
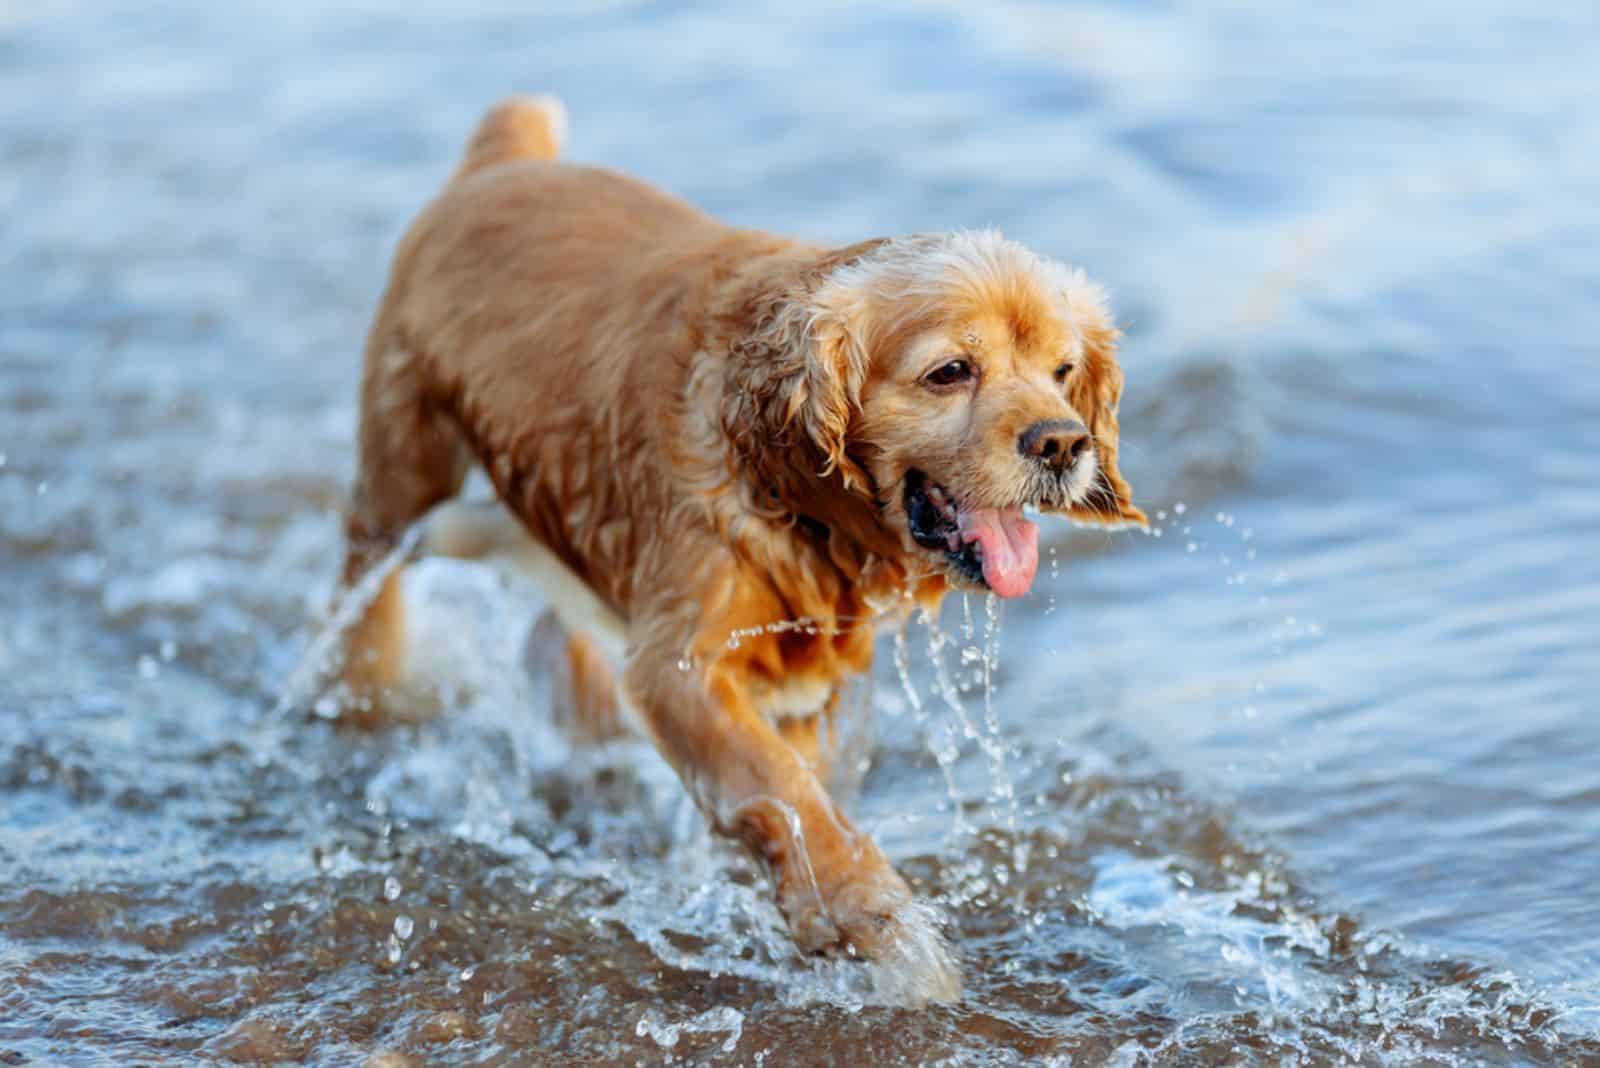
point(1310, 775)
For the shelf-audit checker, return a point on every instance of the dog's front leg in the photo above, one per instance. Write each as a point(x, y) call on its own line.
point(835, 887)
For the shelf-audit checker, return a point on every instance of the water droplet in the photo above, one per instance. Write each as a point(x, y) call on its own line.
point(685, 664)
point(326, 707)
point(148, 667)
point(394, 951)
point(391, 888)
point(403, 926)
point(1191, 547)
point(169, 650)
point(1179, 508)
point(468, 973)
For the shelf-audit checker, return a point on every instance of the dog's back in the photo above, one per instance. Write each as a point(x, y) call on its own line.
point(537, 313)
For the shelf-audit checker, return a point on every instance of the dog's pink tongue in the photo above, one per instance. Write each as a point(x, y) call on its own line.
point(1010, 546)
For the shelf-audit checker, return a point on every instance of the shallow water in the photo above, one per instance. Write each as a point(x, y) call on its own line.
point(1309, 776)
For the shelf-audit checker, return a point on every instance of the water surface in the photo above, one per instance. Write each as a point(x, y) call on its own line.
point(1307, 775)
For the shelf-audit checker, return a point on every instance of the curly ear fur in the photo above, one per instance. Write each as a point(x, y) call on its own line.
point(828, 396)
point(799, 366)
point(1095, 393)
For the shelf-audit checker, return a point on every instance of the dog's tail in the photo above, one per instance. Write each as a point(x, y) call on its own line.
point(519, 127)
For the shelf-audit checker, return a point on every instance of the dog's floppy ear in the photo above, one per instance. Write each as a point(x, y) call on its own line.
point(798, 369)
point(1095, 393)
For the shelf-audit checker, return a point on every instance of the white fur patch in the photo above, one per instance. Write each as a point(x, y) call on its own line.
point(794, 697)
point(926, 265)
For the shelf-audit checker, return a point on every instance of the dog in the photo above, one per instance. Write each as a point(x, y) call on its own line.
point(732, 457)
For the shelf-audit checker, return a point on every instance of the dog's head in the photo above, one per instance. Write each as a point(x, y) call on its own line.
point(959, 381)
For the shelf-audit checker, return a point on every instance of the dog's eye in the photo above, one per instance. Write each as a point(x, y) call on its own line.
point(949, 374)
point(1063, 371)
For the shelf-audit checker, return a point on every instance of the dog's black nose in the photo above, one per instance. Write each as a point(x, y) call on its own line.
point(1055, 442)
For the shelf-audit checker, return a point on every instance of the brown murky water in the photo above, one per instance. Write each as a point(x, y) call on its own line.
point(1307, 779)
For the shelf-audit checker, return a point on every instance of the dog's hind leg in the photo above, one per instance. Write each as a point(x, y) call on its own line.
point(584, 699)
point(587, 634)
point(412, 457)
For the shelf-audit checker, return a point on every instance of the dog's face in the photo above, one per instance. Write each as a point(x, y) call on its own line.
point(985, 387)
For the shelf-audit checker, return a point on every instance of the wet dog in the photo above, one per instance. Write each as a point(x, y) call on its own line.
point(732, 457)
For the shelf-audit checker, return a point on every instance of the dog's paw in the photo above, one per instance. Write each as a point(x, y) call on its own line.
point(914, 964)
point(875, 918)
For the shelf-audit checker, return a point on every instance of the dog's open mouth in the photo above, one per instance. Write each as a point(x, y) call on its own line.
point(992, 547)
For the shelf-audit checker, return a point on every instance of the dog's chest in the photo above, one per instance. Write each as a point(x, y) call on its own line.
point(795, 673)
point(794, 696)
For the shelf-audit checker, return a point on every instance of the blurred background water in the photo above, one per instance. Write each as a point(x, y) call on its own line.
point(1306, 775)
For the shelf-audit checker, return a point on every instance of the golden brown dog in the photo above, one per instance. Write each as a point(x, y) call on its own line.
point(707, 431)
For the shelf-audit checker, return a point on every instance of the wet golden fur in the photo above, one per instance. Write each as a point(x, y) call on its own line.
point(706, 431)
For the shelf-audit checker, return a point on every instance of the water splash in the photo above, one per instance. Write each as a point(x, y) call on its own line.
point(308, 683)
point(941, 741)
point(723, 1019)
point(1002, 796)
point(1004, 790)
